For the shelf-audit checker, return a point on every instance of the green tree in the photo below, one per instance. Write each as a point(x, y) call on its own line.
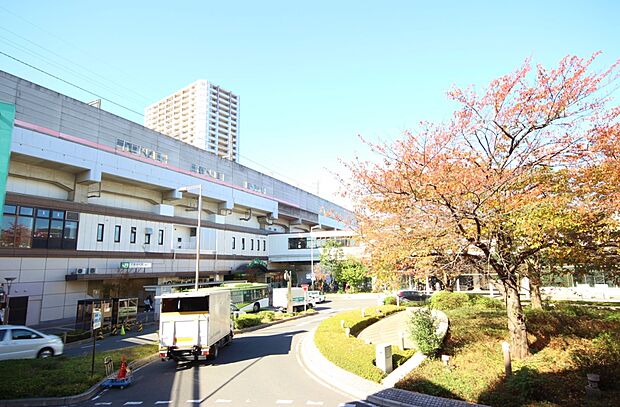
point(353, 272)
point(331, 258)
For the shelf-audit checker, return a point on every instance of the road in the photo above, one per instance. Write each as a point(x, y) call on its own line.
point(259, 368)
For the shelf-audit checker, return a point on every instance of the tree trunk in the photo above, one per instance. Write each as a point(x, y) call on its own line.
point(535, 293)
point(533, 274)
point(516, 320)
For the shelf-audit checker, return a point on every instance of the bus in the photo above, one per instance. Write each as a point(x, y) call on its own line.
point(248, 297)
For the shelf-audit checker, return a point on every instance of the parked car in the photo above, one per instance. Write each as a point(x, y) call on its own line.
point(21, 342)
point(411, 295)
point(317, 295)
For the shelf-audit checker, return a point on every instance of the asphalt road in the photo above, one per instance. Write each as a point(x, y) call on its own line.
point(259, 368)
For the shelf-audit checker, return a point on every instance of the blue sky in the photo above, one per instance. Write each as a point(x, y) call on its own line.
point(312, 75)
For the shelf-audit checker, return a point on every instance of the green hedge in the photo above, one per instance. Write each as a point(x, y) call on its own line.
point(353, 354)
point(446, 301)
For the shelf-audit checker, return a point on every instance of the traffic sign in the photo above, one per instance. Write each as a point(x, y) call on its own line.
point(96, 319)
point(305, 287)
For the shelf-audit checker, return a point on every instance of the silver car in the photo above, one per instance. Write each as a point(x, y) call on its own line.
point(21, 342)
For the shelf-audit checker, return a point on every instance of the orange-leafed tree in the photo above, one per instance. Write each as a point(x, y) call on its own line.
point(516, 172)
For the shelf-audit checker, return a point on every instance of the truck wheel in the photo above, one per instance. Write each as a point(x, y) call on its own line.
point(214, 351)
point(256, 307)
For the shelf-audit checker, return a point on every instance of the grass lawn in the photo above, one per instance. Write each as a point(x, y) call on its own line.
point(60, 376)
point(566, 342)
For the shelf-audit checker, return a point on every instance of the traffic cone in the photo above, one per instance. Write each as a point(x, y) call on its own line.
point(122, 329)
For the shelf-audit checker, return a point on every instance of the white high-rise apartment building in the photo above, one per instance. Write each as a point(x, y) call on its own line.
point(201, 114)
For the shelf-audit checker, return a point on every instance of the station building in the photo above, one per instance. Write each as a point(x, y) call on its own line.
point(98, 206)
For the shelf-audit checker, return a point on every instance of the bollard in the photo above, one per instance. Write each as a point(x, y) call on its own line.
point(383, 357)
point(445, 359)
point(402, 341)
point(363, 312)
point(507, 362)
point(64, 337)
point(342, 323)
point(347, 332)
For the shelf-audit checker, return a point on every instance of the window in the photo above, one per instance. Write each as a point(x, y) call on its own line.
point(23, 229)
point(147, 238)
point(24, 334)
point(243, 243)
point(264, 245)
point(234, 243)
point(55, 237)
point(41, 231)
point(69, 234)
point(297, 243)
point(132, 235)
point(251, 244)
point(117, 233)
point(160, 237)
point(100, 232)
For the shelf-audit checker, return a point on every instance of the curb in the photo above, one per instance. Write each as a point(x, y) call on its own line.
point(78, 398)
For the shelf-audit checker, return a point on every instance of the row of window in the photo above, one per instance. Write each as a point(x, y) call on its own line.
point(132, 234)
point(41, 228)
point(234, 244)
point(308, 243)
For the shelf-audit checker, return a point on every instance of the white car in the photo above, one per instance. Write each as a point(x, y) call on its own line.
point(21, 342)
point(317, 296)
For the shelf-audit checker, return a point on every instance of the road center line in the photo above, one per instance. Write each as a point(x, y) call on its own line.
point(163, 402)
point(104, 403)
point(133, 403)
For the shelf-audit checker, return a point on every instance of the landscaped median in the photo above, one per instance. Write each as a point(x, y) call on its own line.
point(60, 376)
point(353, 354)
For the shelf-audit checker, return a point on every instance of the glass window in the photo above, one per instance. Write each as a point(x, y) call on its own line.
point(10, 209)
point(24, 334)
point(2, 333)
point(23, 232)
point(264, 245)
point(251, 244)
point(117, 233)
point(234, 242)
point(160, 237)
point(100, 228)
point(41, 232)
point(43, 213)
point(58, 214)
point(7, 231)
point(243, 243)
point(25, 211)
point(132, 235)
point(297, 243)
point(147, 238)
point(55, 237)
point(69, 235)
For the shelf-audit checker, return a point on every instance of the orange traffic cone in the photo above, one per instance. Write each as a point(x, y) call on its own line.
point(122, 371)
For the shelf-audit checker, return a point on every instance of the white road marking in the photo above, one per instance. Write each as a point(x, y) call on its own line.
point(194, 401)
point(163, 402)
point(284, 402)
point(346, 405)
point(101, 403)
point(314, 403)
point(133, 403)
point(95, 398)
point(223, 401)
point(90, 346)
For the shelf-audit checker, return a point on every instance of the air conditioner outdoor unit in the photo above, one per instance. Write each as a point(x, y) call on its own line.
point(92, 270)
point(81, 271)
point(148, 231)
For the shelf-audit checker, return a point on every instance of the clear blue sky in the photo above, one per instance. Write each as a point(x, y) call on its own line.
point(311, 77)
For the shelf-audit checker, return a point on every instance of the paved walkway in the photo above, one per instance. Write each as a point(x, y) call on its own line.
point(391, 329)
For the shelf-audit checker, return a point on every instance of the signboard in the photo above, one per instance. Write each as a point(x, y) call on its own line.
point(96, 319)
point(305, 287)
point(135, 265)
point(127, 311)
point(7, 117)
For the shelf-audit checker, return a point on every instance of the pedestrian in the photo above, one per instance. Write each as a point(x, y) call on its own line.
point(1, 314)
point(148, 303)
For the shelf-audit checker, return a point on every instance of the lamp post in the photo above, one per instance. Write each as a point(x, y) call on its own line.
point(312, 278)
point(199, 188)
point(9, 281)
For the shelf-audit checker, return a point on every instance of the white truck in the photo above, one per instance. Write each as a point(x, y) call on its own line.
point(194, 324)
point(299, 296)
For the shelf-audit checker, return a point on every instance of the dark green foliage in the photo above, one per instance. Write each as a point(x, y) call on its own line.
point(389, 301)
point(423, 330)
point(248, 320)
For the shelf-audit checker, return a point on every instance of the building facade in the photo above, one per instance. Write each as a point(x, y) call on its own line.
point(201, 114)
point(96, 208)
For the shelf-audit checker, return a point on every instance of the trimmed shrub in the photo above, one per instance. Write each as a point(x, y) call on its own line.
point(423, 330)
point(247, 320)
point(267, 316)
point(389, 301)
point(483, 302)
point(446, 300)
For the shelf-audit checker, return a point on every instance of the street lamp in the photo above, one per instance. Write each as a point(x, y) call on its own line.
point(199, 188)
point(312, 278)
point(9, 281)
